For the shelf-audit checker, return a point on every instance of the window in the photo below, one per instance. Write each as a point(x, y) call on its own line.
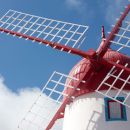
point(115, 111)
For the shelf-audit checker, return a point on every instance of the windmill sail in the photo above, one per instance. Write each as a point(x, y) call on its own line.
point(49, 104)
point(120, 35)
point(68, 36)
point(117, 80)
point(34, 27)
point(121, 42)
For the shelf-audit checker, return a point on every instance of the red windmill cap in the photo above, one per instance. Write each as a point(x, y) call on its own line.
point(81, 70)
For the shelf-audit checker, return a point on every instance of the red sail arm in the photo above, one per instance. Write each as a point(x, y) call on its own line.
point(90, 54)
point(54, 45)
point(66, 101)
point(110, 63)
point(115, 30)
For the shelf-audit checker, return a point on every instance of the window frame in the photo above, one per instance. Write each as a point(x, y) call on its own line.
point(107, 110)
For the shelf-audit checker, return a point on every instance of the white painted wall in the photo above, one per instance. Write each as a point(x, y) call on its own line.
point(87, 112)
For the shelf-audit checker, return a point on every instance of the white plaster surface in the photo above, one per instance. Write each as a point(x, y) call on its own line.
point(87, 112)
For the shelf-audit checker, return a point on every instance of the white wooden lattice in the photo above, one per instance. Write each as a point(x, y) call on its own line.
point(47, 103)
point(121, 42)
point(116, 76)
point(47, 29)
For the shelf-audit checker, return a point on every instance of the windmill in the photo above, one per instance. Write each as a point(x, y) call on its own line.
point(102, 75)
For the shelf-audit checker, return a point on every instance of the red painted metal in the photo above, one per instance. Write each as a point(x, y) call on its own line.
point(55, 45)
point(94, 77)
point(100, 48)
point(91, 54)
point(89, 74)
point(113, 32)
point(97, 64)
point(66, 101)
point(110, 63)
point(103, 32)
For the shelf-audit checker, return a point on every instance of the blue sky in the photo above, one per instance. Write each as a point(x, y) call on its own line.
point(26, 64)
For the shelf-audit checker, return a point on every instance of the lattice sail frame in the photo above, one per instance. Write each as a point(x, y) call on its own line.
point(121, 42)
point(48, 102)
point(68, 34)
point(116, 76)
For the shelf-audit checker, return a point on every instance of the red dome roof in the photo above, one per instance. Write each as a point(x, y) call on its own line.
point(82, 69)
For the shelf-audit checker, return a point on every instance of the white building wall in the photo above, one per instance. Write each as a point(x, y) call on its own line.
point(87, 112)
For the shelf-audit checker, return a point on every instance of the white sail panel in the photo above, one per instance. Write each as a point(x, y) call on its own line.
point(47, 29)
point(119, 81)
point(121, 41)
point(48, 102)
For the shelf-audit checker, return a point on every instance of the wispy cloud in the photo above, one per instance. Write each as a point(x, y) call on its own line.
point(74, 3)
point(13, 106)
point(113, 9)
point(78, 5)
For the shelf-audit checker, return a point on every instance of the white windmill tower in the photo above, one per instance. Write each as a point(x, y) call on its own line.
point(96, 93)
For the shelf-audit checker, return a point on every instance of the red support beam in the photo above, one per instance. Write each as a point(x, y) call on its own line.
point(67, 100)
point(54, 45)
point(115, 30)
point(91, 54)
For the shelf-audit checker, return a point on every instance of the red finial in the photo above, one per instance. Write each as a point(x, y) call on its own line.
point(100, 49)
point(103, 33)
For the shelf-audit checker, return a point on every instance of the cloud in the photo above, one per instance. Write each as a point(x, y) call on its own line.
point(113, 10)
point(110, 9)
point(13, 106)
point(74, 3)
point(40, 115)
point(78, 5)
